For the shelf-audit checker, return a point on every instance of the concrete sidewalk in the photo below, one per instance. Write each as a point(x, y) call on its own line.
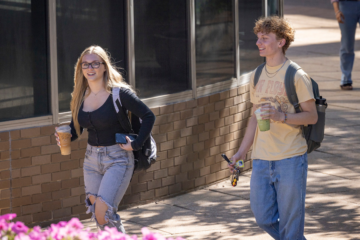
point(332, 203)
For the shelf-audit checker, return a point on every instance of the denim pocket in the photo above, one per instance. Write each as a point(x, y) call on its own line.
point(117, 154)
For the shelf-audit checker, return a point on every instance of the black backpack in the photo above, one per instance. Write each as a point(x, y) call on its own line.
point(313, 134)
point(146, 156)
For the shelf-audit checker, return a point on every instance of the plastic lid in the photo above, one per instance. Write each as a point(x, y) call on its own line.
point(321, 101)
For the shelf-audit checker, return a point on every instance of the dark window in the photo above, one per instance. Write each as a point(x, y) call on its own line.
point(161, 47)
point(24, 84)
point(249, 12)
point(83, 23)
point(215, 55)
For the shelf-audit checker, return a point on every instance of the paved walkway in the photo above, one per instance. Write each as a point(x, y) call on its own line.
point(332, 202)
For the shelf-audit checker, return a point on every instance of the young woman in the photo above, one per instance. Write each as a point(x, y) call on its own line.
point(108, 167)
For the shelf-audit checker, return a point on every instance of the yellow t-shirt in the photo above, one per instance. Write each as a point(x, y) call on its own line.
point(282, 140)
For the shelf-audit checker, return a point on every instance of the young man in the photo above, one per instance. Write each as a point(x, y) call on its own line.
point(278, 180)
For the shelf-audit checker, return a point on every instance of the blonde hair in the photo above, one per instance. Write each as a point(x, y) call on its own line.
point(279, 26)
point(112, 78)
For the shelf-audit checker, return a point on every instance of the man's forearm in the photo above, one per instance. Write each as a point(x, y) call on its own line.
point(302, 118)
point(249, 136)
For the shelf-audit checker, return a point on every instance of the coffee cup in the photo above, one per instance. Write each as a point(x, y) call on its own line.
point(64, 133)
point(264, 124)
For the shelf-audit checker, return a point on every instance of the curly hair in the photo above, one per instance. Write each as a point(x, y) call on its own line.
point(279, 26)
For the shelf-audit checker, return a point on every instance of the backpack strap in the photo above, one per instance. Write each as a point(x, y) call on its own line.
point(258, 73)
point(290, 85)
point(121, 112)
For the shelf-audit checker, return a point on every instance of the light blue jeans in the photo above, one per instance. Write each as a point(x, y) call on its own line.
point(107, 174)
point(351, 11)
point(277, 196)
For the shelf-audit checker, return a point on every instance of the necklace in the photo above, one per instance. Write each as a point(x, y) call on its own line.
point(97, 92)
point(271, 75)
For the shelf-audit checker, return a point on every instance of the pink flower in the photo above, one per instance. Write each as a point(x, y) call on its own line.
point(3, 225)
point(19, 227)
point(75, 223)
point(147, 235)
point(22, 236)
point(8, 217)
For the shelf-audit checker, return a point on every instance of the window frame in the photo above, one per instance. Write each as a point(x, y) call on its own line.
point(56, 117)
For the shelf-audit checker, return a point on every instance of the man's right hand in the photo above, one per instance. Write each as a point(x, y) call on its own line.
point(340, 16)
point(234, 159)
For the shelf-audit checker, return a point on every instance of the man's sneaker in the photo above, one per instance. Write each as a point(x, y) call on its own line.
point(347, 86)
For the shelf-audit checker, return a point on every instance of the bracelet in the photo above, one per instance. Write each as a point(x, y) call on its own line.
point(337, 12)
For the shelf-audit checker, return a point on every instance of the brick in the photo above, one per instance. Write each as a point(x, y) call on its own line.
point(4, 155)
point(5, 174)
point(229, 102)
point(180, 160)
point(174, 135)
point(167, 145)
point(41, 217)
point(224, 130)
point(229, 120)
point(155, 130)
point(40, 141)
point(167, 163)
point(70, 202)
point(21, 182)
point(47, 130)
point(233, 92)
point(15, 154)
point(70, 183)
point(21, 163)
point(224, 112)
point(4, 165)
point(78, 209)
point(4, 136)
point(211, 142)
point(180, 142)
point(78, 154)
point(16, 192)
point(41, 160)
point(193, 157)
point(238, 117)
point(161, 120)
point(5, 194)
point(4, 146)
point(241, 107)
point(198, 129)
point(30, 132)
point(167, 181)
point(186, 167)
point(186, 132)
point(214, 98)
point(186, 114)
point(214, 115)
point(50, 187)
point(219, 105)
point(224, 95)
point(42, 197)
point(23, 143)
point(21, 201)
point(187, 185)
point(192, 139)
point(147, 195)
point(186, 150)
point(30, 171)
point(210, 178)
point(61, 175)
point(214, 150)
point(202, 101)
point(160, 173)
point(41, 178)
point(222, 174)
point(4, 184)
point(209, 126)
point(215, 167)
point(161, 191)
point(82, 143)
point(77, 173)
point(77, 191)
point(34, 208)
point(199, 164)
point(174, 117)
point(176, 188)
point(179, 124)
point(191, 122)
point(224, 147)
point(166, 109)
point(182, 177)
point(25, 219)
point(173, 152)
point(131, 199)
point(74, 164)
point(140, 187)
point(51, 205)
point(30, 190)
point(200, 181)
point(155, 166)
point(30, 152)
point(179, 106)
point(154, 184)
point(50, 168)
point(197, 147)
point(146, 177)
point(191, 104)
point(64, 212)
point(156, 111)
point(204, 154)
point(161, 156)
point(205, 171)
point(174, 170)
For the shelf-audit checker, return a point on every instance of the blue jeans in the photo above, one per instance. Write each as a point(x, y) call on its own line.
point(351, 11)
point(277, 196)
point(107, 174)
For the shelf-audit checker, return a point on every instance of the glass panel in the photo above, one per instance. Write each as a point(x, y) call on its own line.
point(24, 88)
point(161, 47)
point(215, 55)
point(83, 23)
point(249, 12)
point(273, 8)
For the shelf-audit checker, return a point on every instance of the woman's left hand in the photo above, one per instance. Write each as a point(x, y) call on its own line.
point(127, 146)
point(271, 112)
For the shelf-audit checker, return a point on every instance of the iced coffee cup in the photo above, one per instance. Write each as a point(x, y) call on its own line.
point(264, 124)
point(64, 133)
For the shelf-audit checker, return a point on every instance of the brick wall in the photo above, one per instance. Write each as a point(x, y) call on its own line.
point(42, 186)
